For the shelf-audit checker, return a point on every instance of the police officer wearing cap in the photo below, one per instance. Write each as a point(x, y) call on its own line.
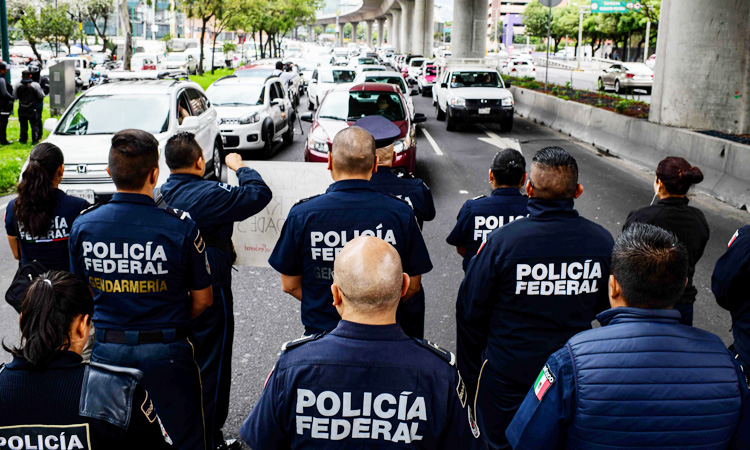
point(149, 273)
point(481, 215)
point(534, 284)
point(408, 188)
point(6, 103)
point(317, 228)
point(214, 207)
point(642, 380)
point(365, 384)
point(730, 284)
point(35, 67)
point(50, 399)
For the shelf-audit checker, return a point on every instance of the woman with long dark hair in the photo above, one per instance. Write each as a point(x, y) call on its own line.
point(674, 178)
point(47, 394)
point(39, 219)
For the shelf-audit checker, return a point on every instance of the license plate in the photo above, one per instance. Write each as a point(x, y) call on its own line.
point(86, 194)
point(484, 110)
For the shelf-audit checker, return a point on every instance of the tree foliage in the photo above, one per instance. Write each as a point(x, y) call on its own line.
point(97, 10)
point(51, 25)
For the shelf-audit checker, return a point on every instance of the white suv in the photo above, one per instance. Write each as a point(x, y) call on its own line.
point(161, 107)
point(253, 112)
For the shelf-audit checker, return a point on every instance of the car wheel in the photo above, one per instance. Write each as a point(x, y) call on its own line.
point(289, 134)
point(440, 115)
point(507, 125)
point(600, 84)
point(450, 122)
point(217, 160)
point(268, 141)
point(310, 104)
point(618, 90)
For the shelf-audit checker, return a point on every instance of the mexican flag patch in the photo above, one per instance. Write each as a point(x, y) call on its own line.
point(543, 382)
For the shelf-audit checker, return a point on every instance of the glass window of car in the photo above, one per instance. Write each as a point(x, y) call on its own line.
point(177, 57)
point(398, 81)
point(430, 70)
point(231, 94)
point(197, 102)
point(276, 91)
point(416, 62)
point(475, 79)
point(108, 114)
point(337, 76)
point(254, 73)
point(352, 106)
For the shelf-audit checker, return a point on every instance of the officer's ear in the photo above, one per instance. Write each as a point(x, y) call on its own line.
point(336, 294)
point(579, 191)
point(405, 284)
point(615, 293)
point(530, 189)
point(200, 163)
point(154, 177)
point(330, 162)
point(492, 176)
point(375, 167)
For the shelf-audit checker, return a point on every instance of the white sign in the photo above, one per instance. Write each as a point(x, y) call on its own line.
point(255, 238)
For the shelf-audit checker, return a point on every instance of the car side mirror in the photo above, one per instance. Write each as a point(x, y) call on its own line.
point(277, 101)
point(190, 123)
point(508, 83)
point(306, 117)
point(444, 85)
point(50, 124)
point(419, 118)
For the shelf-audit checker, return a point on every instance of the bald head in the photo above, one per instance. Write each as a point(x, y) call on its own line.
point(353, 151)
point(369, 274)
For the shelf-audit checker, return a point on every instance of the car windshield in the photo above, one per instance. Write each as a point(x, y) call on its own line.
point(398, 81)
point(373, 69)
point(235, 94)
point(475, 79)
point(306, 66)
point(416, 62)
point(638, 69)
point(108, 114)
point(352, 106)
point(337, 76)
point(177, 57)
point(430, 70)
point(254, 73)
point(367, 61)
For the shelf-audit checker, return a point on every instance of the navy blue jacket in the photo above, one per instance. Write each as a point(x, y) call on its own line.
point(140, 262)
point(730, 283)
point(641, 381)
point(50, 250)
point(408, 188)
point(215, 207)
point(318, 228)
point(535, 283)
point(361, 386)
point(481, 215)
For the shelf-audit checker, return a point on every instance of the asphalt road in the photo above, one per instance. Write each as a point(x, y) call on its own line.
point(582, 80)
point(456, 170)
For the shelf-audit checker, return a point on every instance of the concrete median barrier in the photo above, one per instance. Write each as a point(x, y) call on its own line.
point(725, 164)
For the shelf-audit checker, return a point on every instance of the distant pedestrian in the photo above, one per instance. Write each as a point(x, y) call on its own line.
point(6, 103)
point(28, 93)
point(674, 178)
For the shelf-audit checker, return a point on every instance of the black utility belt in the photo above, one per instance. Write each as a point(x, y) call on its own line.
point(135, 337)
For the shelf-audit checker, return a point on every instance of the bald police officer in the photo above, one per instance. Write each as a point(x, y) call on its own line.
point(317, 228)
point(148, 271)
point(365, 384)
point(408, 188)
point(534, 284)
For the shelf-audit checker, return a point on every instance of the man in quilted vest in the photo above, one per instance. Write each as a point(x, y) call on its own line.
point(642, 380)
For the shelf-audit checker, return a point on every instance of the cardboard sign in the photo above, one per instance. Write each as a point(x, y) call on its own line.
point(255, 238)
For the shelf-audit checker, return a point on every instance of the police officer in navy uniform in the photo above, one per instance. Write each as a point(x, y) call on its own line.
point(148, 271)
point(317, 228)
point(49, 399)
point(642, 380)
point(730, 284)
point(365, 384)
point(408, 188)
point(480, 215)
point(534, 284)
point(214, 207)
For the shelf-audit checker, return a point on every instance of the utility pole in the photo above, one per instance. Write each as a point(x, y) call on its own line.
point(648, 36)
point(4, 36)
point(546, 69)
point(128, 28)
point(581, 10)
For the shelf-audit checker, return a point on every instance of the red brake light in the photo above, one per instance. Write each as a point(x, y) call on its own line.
point(513, 70)
point(629, 75)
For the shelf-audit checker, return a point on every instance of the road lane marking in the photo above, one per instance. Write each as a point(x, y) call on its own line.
point(497, 141)
point(432, 142)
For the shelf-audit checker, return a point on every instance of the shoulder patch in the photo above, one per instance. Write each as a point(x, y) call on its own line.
point(734, 238)
point(478, 197)
point(303, 200)
point(543, 382)
point(91, 208)
point(225, 186)
point(303, 340)
point(107, 393)
point(180, 214)
point(449, 357)
point(398, 198)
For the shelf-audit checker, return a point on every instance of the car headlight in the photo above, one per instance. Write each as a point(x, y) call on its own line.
point(507, 101)
point(458, 101)
point(400, 146)
point(319, 146)
point(252, 118)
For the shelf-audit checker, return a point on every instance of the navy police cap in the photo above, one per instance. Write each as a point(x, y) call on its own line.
point(383, 130)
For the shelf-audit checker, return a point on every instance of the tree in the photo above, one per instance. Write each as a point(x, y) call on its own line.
point(205, 11)
point(32, 30)
point(227, 15)
point(52, 25)
point(99, 10)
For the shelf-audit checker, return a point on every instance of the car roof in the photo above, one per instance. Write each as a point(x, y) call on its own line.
point(243, 80)
point(470, 68)
point(362, 87)
point(381, 73)
point(150, 87)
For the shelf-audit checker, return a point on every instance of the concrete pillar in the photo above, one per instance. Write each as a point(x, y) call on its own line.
point(702, 73)
point(469, 33)
point(341, 34)
point(354, 31)
point(395, 36)
point(310, 33)
point(370, 25)
point(405, 36)
point(417, 28)
point(429, 27)
point(381, 31)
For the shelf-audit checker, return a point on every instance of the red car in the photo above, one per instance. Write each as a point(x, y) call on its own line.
point(346, 104)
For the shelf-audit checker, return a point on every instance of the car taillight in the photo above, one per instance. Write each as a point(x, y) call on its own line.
point(652, 76)
point(513, 70)
point(629, 75)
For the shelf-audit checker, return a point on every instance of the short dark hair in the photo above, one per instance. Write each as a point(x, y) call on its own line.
point(279, 65)
point(557, 175)
point(132, 157)
point(26, 74)
point(650, 265)
point(182, 150)
point(508, 167)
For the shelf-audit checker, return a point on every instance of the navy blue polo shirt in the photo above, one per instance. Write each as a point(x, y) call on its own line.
point(361, 386)
point(409, 189)
point(215, 207)
point(140, 262)
point(533, 285)
point(51, 249)
point(318, 228)
point(479, 216)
